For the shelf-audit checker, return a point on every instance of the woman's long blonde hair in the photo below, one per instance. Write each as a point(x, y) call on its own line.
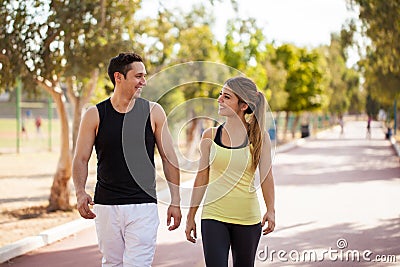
point(246, 90)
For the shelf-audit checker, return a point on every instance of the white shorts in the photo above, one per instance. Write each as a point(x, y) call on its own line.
point(127, 233)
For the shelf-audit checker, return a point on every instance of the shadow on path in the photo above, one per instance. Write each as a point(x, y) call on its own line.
point(332, 161)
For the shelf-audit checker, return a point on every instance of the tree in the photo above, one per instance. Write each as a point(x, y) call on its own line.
point(196, 32)
point(380, 21)
point(56, 45)
point(29, 51)
point(244, 49)
point(172, 37)
point(344, 86)
point(380, 60)
point(305, 84)
point(276, 77)
point(354, 92)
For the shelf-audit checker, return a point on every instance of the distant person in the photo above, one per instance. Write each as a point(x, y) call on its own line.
point(125, 204)
point(38, 123)
point(230, 154)
point(28, 113)
point(388, 134)
point(24, 131)
point(341, 124)
point(369, 127)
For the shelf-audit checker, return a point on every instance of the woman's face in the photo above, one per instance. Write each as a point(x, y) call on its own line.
point(229, 104)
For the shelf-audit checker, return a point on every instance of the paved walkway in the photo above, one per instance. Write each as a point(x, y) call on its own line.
point(337, 198)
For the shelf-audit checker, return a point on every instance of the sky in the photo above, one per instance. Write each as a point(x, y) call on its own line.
point(301, 22)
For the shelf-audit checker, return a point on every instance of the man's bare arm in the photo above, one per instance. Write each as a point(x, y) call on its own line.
point(83, 151)
point(169, 161)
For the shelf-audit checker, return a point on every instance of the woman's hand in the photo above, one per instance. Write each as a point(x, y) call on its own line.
point(269, 217)
point(191, 226)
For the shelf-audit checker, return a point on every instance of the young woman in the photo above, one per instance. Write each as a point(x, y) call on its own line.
point(230, 155)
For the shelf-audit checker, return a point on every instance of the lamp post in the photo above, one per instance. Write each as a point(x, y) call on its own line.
point(18, 112)
point(395, 116)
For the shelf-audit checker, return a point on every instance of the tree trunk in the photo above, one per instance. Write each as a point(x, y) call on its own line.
point(294, 125)
point(60, 191)
point(195, 136)
point(191, 131)
point(286, 125)
point(79, 101)
point(59, 195)
point(277, 123)
point(76, 122)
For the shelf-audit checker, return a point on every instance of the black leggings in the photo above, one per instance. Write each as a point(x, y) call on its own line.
point(219, 236)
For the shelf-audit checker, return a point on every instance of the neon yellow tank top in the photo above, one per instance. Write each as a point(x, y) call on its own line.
point(231, 196)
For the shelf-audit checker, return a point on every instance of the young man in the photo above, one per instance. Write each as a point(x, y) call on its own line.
point(124, 130)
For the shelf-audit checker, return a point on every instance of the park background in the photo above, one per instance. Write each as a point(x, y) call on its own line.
point(53, 59)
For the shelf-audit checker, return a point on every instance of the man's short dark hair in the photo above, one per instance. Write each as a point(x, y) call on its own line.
point(121, 63)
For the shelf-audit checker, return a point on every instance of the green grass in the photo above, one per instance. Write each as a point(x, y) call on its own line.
point(32, 140)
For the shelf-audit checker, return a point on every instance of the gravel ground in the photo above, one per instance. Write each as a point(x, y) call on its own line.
point(25, 182)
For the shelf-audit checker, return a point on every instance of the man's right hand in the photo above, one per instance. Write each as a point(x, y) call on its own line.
point(83, 202)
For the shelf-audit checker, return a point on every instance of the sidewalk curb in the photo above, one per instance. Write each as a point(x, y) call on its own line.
point(52, 235)
point(290, 145)
point(44, 238)
point(395, 145)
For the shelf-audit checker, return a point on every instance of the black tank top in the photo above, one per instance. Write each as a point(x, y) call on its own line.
point(125, 155)
point(217, 139)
